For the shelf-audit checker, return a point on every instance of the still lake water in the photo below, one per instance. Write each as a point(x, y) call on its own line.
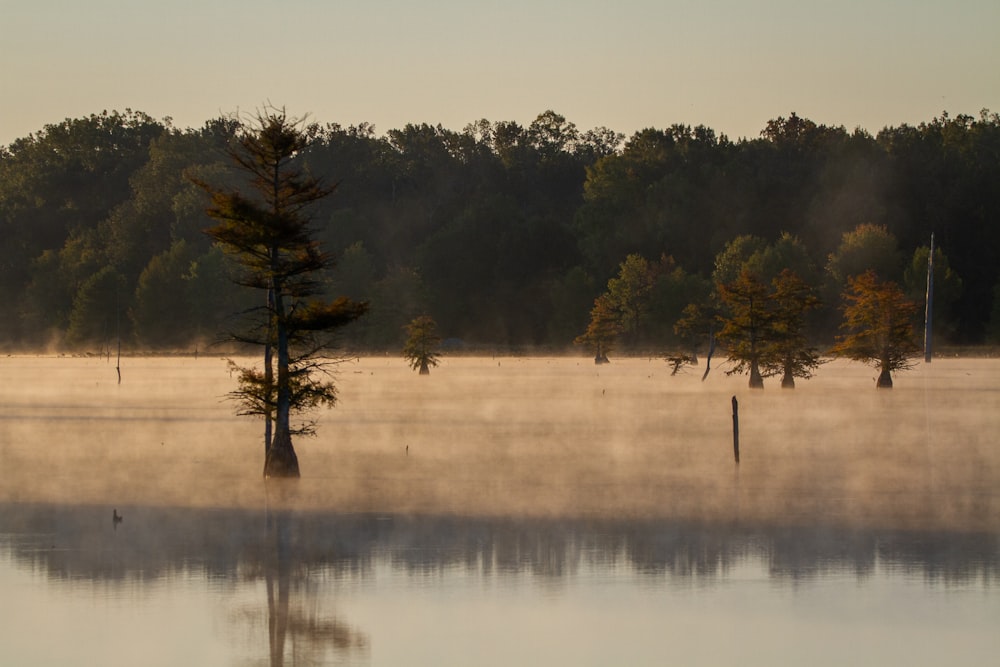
point(502, 511)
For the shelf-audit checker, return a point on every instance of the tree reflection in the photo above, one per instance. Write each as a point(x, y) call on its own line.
point(298, 629)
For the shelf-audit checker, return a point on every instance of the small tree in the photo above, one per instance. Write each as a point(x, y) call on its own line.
point(697, 324)
point(629, 292)
point(746, 326)
point(880, 325)
point(269, 233)
point(603, 330)
point(790, 353)
point(421, 345)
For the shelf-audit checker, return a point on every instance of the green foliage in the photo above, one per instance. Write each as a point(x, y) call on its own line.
point(509, 232)
point(948, 288)
point(628, 293)
point(865, 248)
point(736, 258)
point(98, 310)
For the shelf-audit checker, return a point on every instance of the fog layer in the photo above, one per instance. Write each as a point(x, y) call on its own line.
point(548, 437)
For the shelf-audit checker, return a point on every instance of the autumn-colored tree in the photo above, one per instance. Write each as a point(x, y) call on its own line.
point(789, 351)
point(746, 325)
point(879, 321)
point(603, 330)
point(422, 342)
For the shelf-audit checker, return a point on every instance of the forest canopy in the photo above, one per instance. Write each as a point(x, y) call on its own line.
point(505, 234)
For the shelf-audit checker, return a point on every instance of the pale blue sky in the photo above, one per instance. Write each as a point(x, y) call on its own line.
point(626, 64)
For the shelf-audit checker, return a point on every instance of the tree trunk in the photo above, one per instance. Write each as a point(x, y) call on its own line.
point(268, 373)
point(756, 381)
point(788, 379)
point(884, 379)
point(278, 576)
point(424, 370)
point(281, 460)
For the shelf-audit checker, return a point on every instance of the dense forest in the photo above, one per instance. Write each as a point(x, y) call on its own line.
point(504, 234)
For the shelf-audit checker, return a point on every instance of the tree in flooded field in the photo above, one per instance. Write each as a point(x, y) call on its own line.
point(790, 354)
point(695, 326)
point(422, 341)
point(603, 330)
point(879, 321)
point(746, 325)
point(268, 231)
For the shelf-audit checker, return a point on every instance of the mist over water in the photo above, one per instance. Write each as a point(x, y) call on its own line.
point(499, 506)
point(549, 437)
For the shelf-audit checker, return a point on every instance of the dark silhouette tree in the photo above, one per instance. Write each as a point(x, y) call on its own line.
point(879, 321)
point(695, 326)
point(269, 233)
point(422, 342)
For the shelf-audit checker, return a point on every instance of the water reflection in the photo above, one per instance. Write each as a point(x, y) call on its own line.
point(312, 634)
point(284, 568)
point(284, 546)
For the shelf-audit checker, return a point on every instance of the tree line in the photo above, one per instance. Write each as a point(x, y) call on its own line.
point(504, 234)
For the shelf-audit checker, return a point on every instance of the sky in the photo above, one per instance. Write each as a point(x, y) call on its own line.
point(627, 65)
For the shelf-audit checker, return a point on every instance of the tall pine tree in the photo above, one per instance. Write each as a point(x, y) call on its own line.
point(269, 232)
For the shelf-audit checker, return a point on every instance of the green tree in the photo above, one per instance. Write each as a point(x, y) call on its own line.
point(629, 294)
point(422, 342)
point(97, 315)
point(866, 247)
point(879, 321)
point(162, 303)
point(269, 232)
point(947, 287)
point(737, 256)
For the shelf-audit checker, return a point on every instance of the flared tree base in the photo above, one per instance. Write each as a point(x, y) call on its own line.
point(884, 380)
point(281, 460)
point(787, 381)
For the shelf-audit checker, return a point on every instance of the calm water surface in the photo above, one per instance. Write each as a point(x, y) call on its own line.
point(544, 513)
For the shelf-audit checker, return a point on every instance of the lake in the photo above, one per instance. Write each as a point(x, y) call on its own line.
point(501, 511)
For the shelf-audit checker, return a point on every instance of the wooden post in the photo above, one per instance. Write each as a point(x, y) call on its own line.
point(736, 430)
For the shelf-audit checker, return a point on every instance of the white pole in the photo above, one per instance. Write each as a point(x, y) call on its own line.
point(929, 307)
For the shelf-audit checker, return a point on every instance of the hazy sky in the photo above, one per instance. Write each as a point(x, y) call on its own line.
point(729, 64)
